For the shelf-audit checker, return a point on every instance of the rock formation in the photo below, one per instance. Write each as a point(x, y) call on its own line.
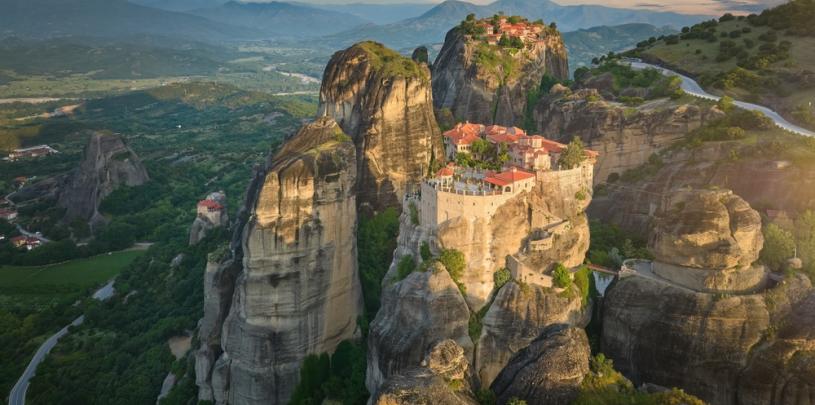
point(442, 378)
point(626, 137)
point(549, 371)
point(673, 326)
point(383, 101)
point(297, 290)
point(417, 312)
point(426, 307)
point(107, 164)
point(474, 87)
point(209, 216)
point(708, 240)
point(517, 317)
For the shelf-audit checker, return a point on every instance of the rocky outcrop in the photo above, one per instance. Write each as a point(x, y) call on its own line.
point(557, 202)
point(442, 378)
point(490, 85)
point(519, 315)
point(208, 217)
point(107, 164)
point(703, 315)
point(383, 101)
point(297, 291)
point(547, 372)
point(626, 137)
point(416, 312)
point(713, 346)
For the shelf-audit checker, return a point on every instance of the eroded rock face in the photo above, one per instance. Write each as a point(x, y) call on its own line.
point(487, 243)
point(707, 229)
point(488, 94)
point(713, 346)
point(549, 371)
point(516, 318)
point(441, 379)
point(297, 291)
point(107, 164)
point(625, 137)
point(416, 313)
point(384, 102)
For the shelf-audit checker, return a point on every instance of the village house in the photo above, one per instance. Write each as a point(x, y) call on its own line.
point(25, 242)
point(32, 152)
point(8, 214)
point(461, 138)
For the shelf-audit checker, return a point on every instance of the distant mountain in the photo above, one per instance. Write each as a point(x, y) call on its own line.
point(179, 5)
point(585, 44)
point(107, 19)
point(279, 19)
point(379, 13)
point(431, 26)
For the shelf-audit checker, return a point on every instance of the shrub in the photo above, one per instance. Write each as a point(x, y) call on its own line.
point(501, 277)
point(424, 251)
point(414, 213)
point(405, 266)
point(779, 245)
point(455, 263)
point(561, 276)
point(726, 103)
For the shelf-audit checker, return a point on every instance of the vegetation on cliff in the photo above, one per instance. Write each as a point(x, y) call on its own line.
point(390, 63)
point(761, 58)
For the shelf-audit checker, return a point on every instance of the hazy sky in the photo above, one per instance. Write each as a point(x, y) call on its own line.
point(712, 7)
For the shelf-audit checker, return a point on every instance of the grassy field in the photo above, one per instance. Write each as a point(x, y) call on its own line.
point(699, 58)
point(71, 276)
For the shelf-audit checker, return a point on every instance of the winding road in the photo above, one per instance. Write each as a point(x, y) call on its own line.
point(693, 88)
point(17, 396)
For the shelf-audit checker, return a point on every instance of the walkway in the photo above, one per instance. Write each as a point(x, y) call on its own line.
point(693, 88)
point(18, 392)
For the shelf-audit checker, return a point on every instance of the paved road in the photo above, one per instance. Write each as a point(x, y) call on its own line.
point(17, 395)
point(693, 88)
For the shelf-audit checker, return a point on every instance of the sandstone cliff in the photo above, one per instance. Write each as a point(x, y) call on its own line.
point(383, 101)
point(426, 307)
point(442, 378)
point(297, 291)
point(485, 84)
point(549, 371)
point(703, 316)
point(713, 346)
point(417, 312)
point(625, 137)
point(516, 318)
point(107, 164)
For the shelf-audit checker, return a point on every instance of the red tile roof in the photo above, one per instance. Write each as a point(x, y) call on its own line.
point(508, 177)
point(210, 204)
point(445, 171)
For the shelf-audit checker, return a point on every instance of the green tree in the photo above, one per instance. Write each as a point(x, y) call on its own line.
point(573, 155)
point(424, 251)
point(561, 276)
point(481, 147)
point(726, 103)
point(501, 277)
point(779, 245)
point(405, 266)
point(455, 263)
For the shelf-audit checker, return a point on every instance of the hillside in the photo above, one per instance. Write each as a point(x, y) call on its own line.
point(431, 26)
point(107, 18)
point(281, 19)
point(107, 60)
point(586, 44)
point(381, 13)
point(766, 59)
